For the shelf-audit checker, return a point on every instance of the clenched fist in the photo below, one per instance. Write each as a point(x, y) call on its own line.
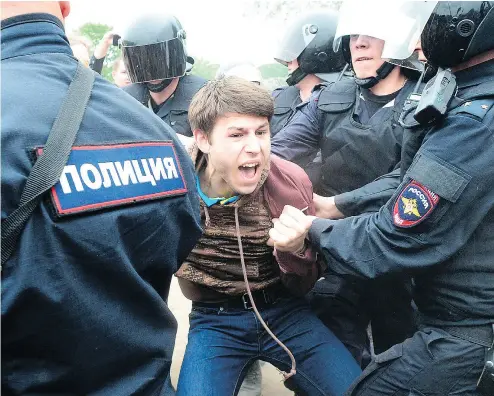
point(290, 230)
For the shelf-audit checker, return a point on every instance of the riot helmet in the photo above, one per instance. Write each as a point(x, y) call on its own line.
point(153, 48)
point(309, 39)
point(458, 31)
point(398, 24)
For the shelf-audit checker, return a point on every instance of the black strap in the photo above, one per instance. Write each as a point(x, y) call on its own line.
point(48, 168)
point(481, 334)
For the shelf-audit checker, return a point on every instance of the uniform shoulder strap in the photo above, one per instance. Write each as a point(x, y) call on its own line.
point(477, 102)
point(187, 87)
point(49, 166)
point(338, 97)
point(286, 96)
point(477, 108)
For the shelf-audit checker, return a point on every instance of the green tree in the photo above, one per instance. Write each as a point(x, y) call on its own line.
point(273, 70)
point(204, 68)
point(95, 32)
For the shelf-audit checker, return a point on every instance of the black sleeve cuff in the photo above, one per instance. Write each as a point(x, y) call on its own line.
point(96, 64)
point(317, 228)
point(345, 203)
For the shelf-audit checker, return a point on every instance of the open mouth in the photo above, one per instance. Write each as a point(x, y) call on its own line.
point(249, 170)
point(362, 59)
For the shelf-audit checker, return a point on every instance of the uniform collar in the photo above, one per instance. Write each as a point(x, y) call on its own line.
point(475, 75)
point(33, 34)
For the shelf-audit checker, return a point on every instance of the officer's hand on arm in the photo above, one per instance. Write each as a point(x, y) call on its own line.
point(290, 230)
point(326, 208)
point(104, 45)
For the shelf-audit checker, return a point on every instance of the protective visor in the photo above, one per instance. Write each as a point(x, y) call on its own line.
point(398, 23)
point(157, 61)
point(297, 38)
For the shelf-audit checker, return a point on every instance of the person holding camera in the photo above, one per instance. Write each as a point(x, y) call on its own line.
point(96, 63)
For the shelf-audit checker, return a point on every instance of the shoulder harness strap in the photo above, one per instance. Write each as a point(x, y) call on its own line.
point(338, 97)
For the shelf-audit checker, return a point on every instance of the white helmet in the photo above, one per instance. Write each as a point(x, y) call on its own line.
point(243, 70)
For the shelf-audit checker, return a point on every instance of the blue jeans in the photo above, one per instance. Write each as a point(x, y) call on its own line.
point(223, 343)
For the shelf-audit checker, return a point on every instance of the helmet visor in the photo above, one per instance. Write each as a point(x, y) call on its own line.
point(297, 38)
point(157, 61)
point(398, 23)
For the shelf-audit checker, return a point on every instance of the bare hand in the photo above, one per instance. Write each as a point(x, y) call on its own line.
point(290, 230)
point(326, 208)
point(108, 38)
point(104, 45)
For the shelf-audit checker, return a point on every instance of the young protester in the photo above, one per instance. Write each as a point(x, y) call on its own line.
point(248, 297)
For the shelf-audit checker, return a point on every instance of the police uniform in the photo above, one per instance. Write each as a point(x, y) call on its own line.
point(286, 100)
point(357, 147)
point(438, 226)
point(174, 111)
point(287, 103)
point(354, 151)
point(84, 292)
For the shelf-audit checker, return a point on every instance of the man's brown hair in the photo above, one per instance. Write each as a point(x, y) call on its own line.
point(228, 95)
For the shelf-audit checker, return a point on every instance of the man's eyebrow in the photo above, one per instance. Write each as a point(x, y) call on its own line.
point(237, 128)
point(264, 125)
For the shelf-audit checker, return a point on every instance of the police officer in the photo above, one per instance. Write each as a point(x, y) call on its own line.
point(438, 224)
point(354, 122)
point(155, 56)
point(306, 50)
point(84, 290)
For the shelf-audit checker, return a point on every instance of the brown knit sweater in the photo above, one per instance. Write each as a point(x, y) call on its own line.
point(215, 260)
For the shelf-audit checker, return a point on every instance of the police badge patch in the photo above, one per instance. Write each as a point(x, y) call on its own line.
point(111, 175)
point(415, 203)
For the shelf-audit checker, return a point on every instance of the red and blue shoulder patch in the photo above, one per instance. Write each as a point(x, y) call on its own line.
point(414, 204)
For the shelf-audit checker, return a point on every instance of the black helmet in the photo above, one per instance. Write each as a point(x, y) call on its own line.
point(310, 40)
point(457, 31)
point(153, 48)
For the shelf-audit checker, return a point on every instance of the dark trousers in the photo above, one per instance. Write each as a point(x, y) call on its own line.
point(346, 305)
point(432, 362)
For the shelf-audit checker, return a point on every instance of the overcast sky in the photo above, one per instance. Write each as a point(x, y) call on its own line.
point(217, 30)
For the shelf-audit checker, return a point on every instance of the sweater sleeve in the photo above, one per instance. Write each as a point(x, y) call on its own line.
point(288, 184)
point(299, 272)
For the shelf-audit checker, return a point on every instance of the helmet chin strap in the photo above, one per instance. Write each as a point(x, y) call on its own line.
point(382, 73)
point(296, 76)
point(158, 87)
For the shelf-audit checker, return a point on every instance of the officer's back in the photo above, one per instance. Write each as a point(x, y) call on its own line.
point(83, 294)
point(155, 56)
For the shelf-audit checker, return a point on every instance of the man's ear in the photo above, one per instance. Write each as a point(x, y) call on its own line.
point(64, 8)
point(202, 140)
